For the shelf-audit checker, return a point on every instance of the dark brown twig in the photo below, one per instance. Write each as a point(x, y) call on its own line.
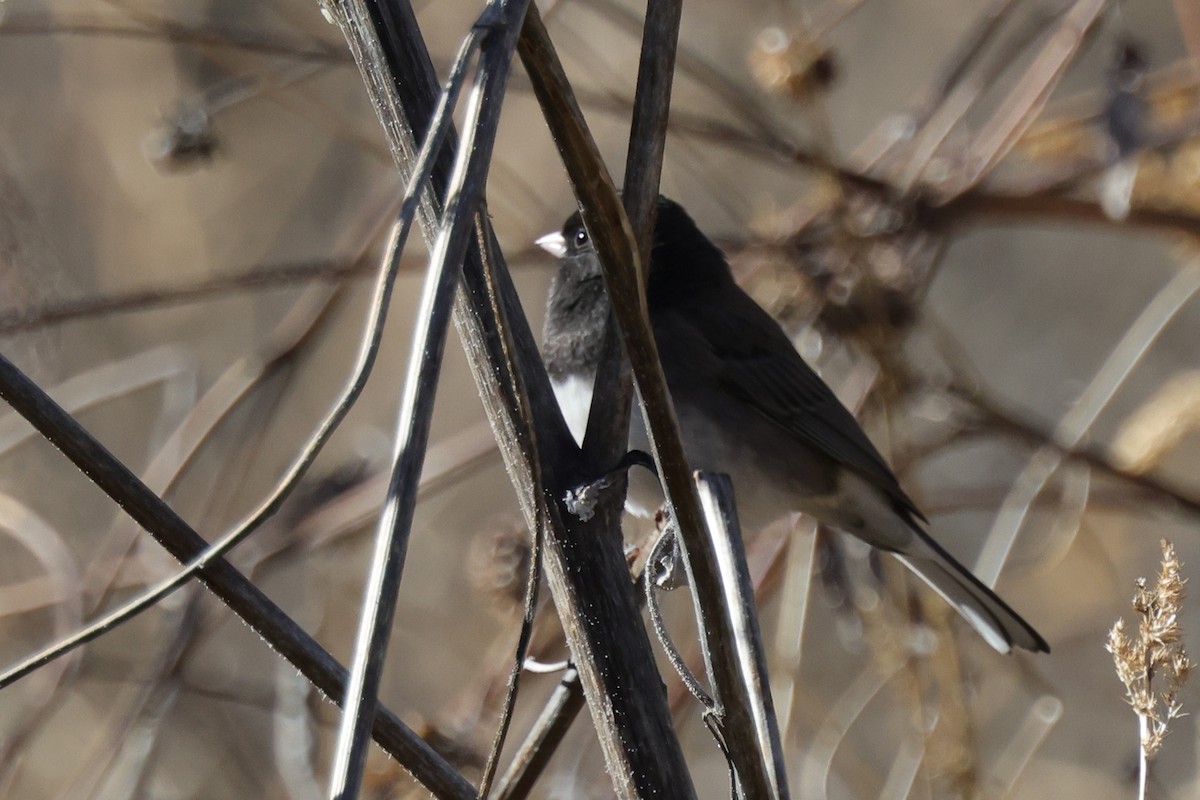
point(260, 279)
point(163, 30)
point(605, 218)
point(1095, 457)
point(984, 208)
point(242, 596)
point(613, 239)
point(497, 29)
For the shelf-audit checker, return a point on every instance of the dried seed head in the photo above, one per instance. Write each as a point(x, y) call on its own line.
point(1156, 653)
point(498, 563)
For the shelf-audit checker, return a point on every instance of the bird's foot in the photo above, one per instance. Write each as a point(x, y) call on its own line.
point(581, 500)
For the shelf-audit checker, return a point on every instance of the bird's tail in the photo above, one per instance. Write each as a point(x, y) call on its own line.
point(999, 625)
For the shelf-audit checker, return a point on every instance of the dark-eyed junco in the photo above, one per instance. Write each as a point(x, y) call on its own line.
point(748, 405)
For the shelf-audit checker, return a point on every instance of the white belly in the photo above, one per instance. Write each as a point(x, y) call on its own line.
point(574, 397)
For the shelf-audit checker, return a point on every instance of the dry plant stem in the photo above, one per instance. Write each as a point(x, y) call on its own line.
point(760, 768)
point(1078, 421)
point(954, 98)
point(521, 399)
point(725, 89)
point(1043, 715)
point(793, 613)
point(648, 128)
point(242, 596)
point(1143, 757)
point(623, 277)
point(165, 30)
point(993, 207)
point(585, 562)
point(688, 678)
point(1035, 85)
point(1152, 662)
point(373, 335)
point(526, 633)
point(264, 278)
point(608, 418)
point(543, 738)
point(902, 773)
point(1096, 458)
point(831, 734)
point(500, 23)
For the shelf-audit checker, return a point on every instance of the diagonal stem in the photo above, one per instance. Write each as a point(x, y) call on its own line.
point(502, 20)
point(1075, 425)
point(234, 589)
point(385, 283)
point(623, 272)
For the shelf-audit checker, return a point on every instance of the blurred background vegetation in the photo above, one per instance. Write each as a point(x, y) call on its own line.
point(192, 196)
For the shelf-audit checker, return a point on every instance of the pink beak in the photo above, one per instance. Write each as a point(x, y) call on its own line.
point(553, 243)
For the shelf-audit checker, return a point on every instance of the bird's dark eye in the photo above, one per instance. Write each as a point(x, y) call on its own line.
point(581, 237)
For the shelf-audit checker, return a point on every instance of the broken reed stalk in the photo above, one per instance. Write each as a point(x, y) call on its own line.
point(1156, 651)
point(585, 564)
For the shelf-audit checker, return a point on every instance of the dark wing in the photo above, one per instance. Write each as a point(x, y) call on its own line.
point(760, 366)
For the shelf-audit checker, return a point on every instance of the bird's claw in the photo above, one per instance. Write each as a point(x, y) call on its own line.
point(581, 500)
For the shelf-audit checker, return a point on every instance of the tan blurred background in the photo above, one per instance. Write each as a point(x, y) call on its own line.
point(215, 167)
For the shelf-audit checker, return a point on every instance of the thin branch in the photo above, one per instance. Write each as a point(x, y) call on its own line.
point(660, 49)
point(760, 768)
point(599, 608)
point(163, 30)
point(261, 279)
point(657, 552)
point(234, 589)
point(373, 328)
point(496, 32)
point(613, 238)
point(533, 580)
point(508, 345)
point(543, 739)
point(1125, 355)
point(612, 396)
point(983, 207)
point(1094, 457)
point(1021, 107)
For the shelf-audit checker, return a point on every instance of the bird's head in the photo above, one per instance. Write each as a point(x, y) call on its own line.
point(682, 256)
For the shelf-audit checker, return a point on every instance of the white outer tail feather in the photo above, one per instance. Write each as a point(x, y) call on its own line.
point(996, 623)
